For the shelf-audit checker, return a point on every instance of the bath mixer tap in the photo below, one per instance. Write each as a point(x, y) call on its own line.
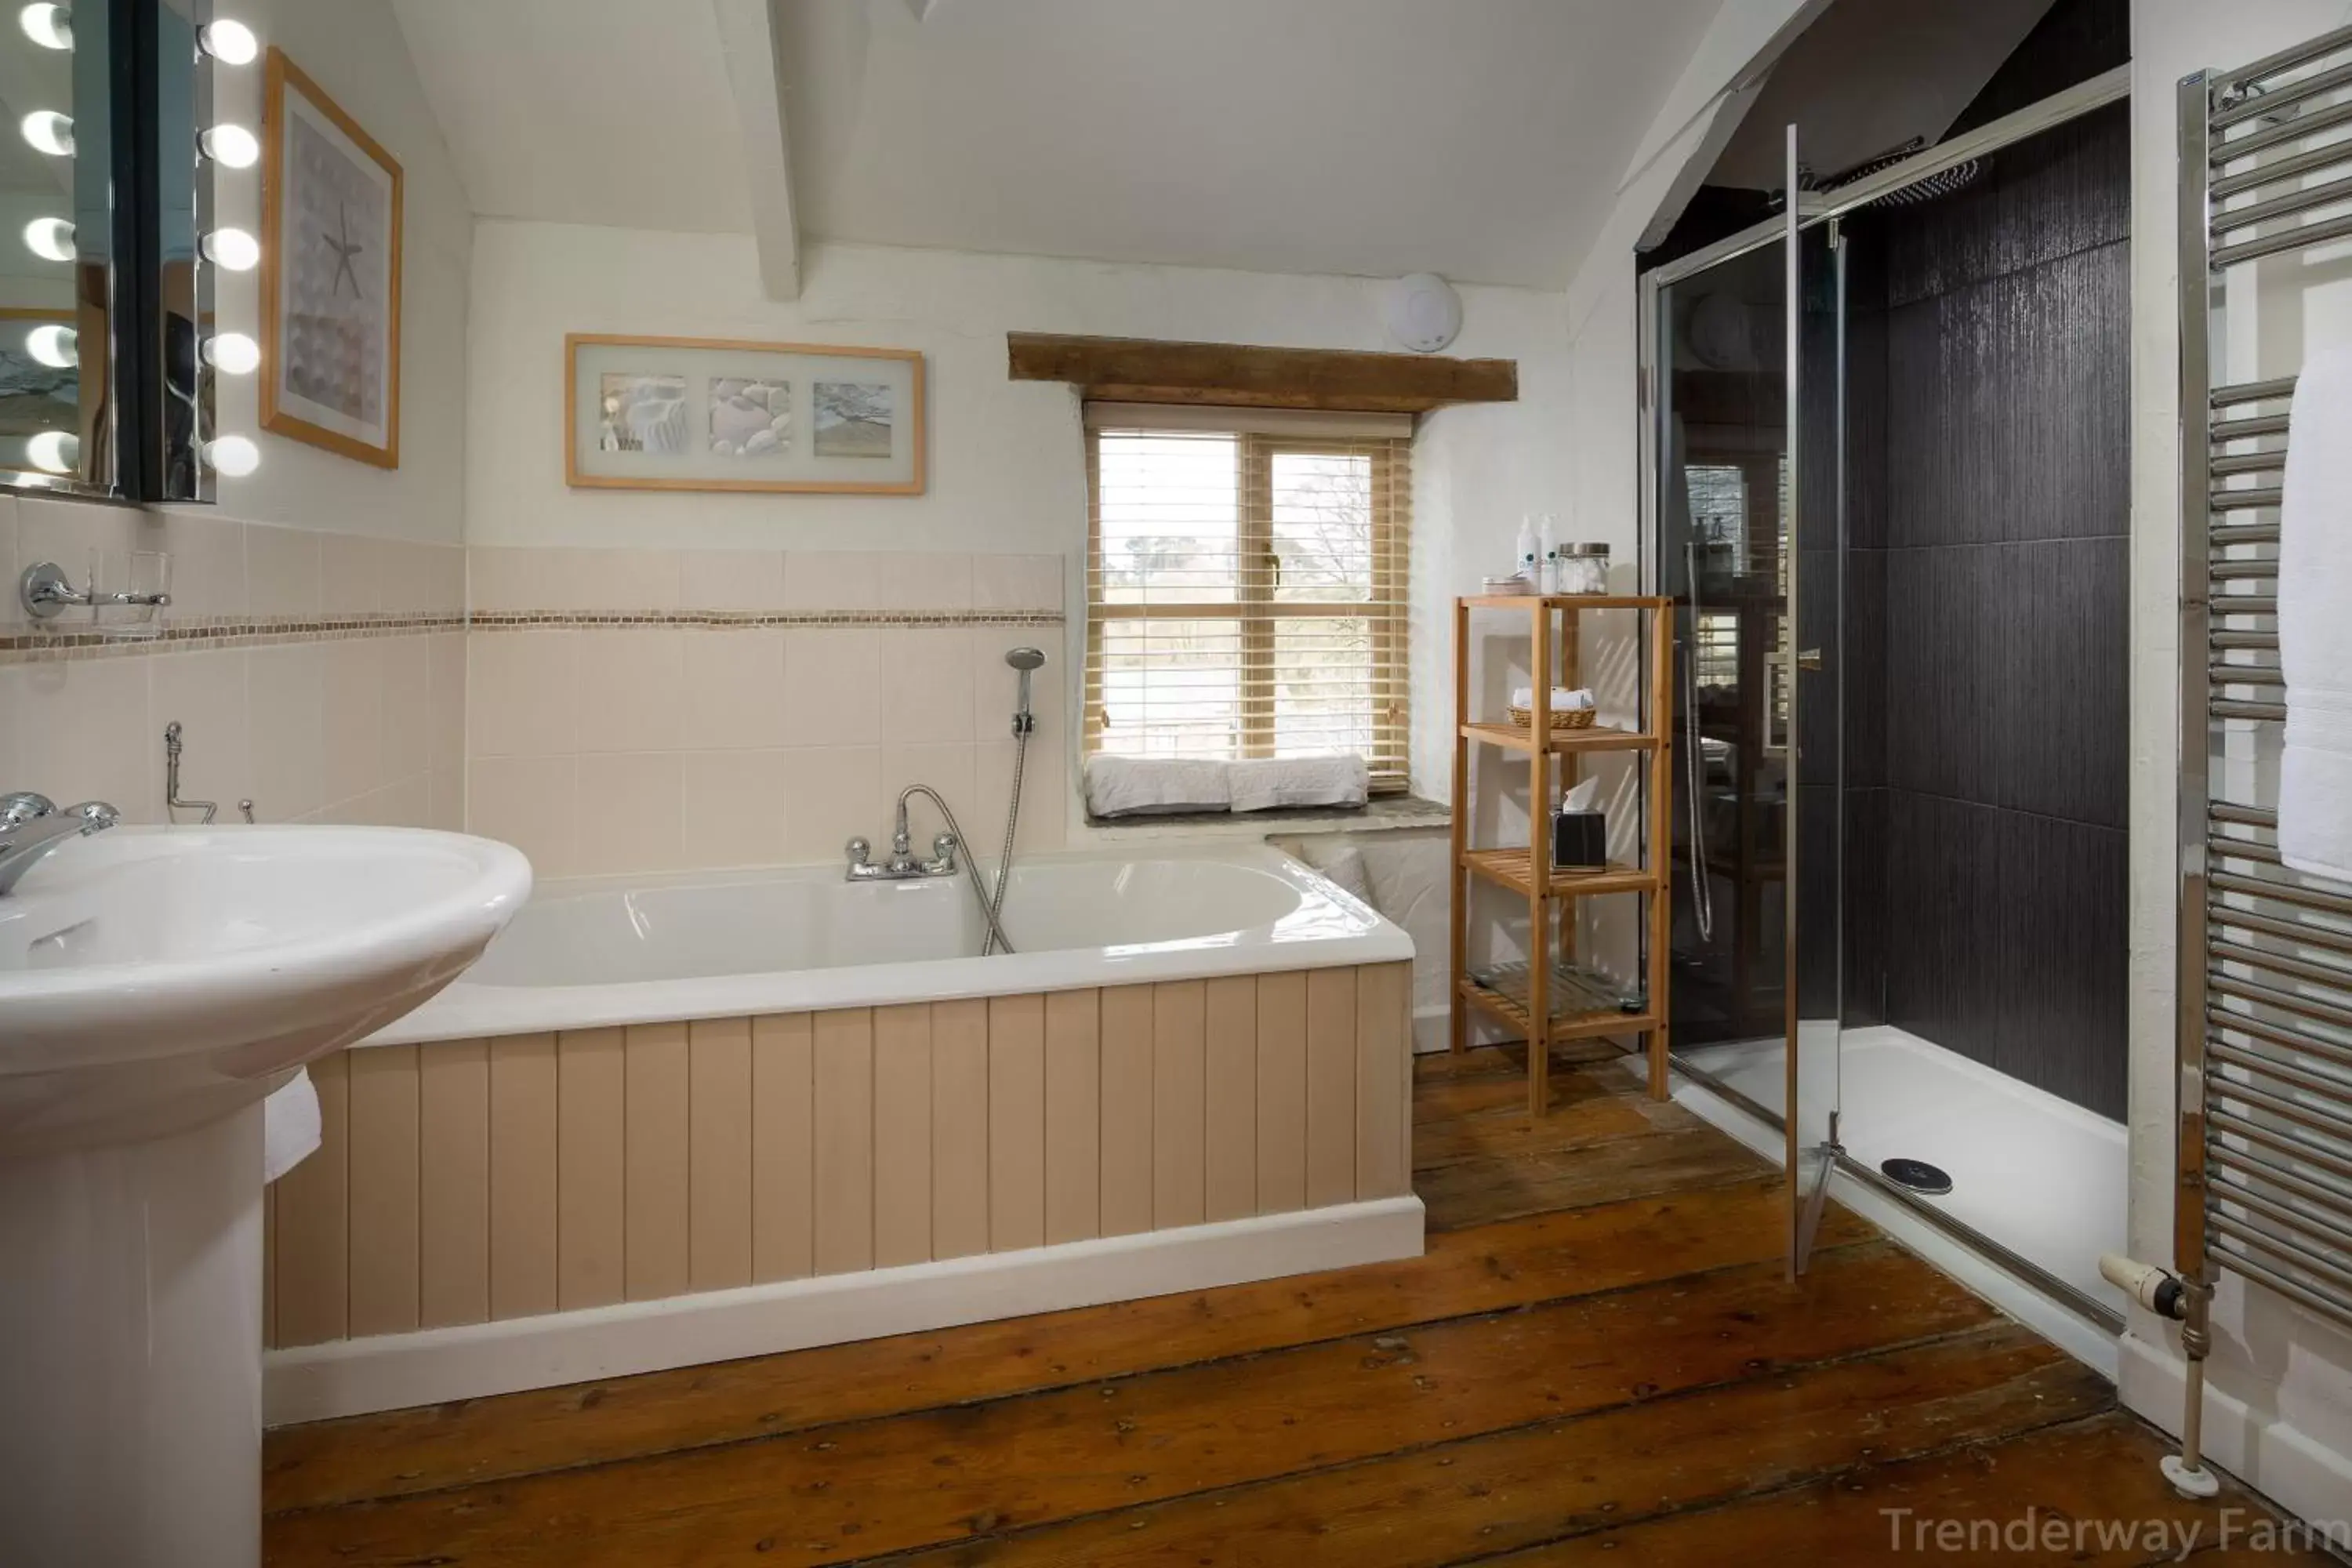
point(902, 866)
point(31, 826)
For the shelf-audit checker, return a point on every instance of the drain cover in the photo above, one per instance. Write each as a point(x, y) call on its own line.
point(1916, 1175)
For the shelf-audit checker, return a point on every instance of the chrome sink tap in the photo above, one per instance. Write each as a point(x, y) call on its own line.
point(31, 826)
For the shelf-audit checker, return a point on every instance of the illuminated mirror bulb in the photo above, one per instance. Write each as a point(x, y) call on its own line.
point(233, 249)
point(55, 346)
point(234, 353)
point(51, 239)
point(231, 43)
point(52, 26)
point(232, 455)
point(231, 146)
point(50, 132)
point(55, 451)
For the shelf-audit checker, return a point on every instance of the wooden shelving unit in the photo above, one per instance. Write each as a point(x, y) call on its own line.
point(1550, 1002)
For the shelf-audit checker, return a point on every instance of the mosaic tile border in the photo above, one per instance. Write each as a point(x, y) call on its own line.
point(20, 645)
point(574, 620)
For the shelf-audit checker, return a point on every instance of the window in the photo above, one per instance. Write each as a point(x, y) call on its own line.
point(1246, 585)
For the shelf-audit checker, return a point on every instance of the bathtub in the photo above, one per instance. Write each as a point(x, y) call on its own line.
point(672, 1119)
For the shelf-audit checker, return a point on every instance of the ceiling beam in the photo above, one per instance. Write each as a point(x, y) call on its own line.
point(748, 35)
point(1139, 369)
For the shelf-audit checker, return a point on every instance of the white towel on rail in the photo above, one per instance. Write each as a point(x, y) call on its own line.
point(2314, 621)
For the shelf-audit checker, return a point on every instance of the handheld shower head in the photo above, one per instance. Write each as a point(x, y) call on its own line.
point(1024, 659)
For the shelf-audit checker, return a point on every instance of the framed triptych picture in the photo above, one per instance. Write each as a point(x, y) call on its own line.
point(329, 274)
point(709, 414)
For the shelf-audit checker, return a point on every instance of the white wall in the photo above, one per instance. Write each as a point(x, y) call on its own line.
point(354, 50)
point(2282, 1410)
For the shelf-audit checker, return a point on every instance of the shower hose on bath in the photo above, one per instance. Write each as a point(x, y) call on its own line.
point(991, 901)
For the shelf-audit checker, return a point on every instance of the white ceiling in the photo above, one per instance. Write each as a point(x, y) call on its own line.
point(1479, 139)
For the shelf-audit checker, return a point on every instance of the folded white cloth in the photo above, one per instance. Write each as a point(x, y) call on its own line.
point(289, 1125)
point(2314, 621)
point(1564, 698)
point(1264, 784)
point(1147, 786)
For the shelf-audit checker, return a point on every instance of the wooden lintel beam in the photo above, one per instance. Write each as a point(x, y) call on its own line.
point(1141, 369)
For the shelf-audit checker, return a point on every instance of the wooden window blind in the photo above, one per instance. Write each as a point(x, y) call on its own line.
point(1246, 582)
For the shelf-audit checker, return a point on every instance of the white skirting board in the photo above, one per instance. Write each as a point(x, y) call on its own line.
point(2283, 1462)
point(390, 1371)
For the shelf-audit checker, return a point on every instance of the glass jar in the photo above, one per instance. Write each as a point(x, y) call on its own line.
point(1583, 568)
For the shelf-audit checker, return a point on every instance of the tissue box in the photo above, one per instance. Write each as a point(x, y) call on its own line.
point(1579, 841)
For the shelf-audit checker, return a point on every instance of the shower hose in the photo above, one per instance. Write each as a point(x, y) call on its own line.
point(992, 901)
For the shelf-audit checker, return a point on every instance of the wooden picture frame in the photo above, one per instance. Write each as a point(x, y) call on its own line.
point(330, 367)
point(609, 444)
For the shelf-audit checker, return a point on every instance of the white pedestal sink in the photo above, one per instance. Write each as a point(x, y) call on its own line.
point(155, 985)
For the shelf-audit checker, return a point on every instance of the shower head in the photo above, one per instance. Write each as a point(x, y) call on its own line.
point(1024, 659)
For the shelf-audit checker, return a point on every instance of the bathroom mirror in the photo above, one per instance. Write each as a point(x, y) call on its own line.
point(105, 289)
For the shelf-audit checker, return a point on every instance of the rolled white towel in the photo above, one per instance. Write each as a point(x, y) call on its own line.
point(289, 1125)
point(1265, 783)
point(1155, 786)
point(1564, 698)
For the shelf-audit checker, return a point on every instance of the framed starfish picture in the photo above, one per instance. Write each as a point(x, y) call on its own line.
point(329, 274)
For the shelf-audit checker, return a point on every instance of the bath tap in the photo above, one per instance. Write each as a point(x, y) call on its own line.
point(902, 866)
point(31, 826)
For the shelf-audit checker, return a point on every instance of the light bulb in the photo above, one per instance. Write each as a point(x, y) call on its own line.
point(50, 132)
point(232, 351)
point(55, 346)
point(233, 249)
point(52, 26)
point(51, 239)
point(55, 451)
point(231, 43)
point(231, 146)
point(232, 455)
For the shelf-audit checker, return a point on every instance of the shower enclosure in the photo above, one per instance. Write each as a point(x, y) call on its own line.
point(1885, 486)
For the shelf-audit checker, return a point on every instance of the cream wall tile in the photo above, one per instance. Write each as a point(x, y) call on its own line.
point(532, 802)
point(208, 693)
point(208, 576)
point(635, 800)
point(1016, 582)
point(91, 716)
point(616, 580)
point(833, 686)
point(286, 689)
point(445, 580)
point(523, 693)
point(446, 745)
point(354, 732)
point(735, 808)
point(281, 566)
point(16, 758)
point(996, 685)
point(445, 802)
point(927, 684)
point(830, 793)
point(408, 699)
point(11, 613)
point(730, 580)
point(920, 579)
point(354, 570)
point(631, 691)
point(733, 689)
point(947, 768)
point(506, 580)
point(833, 580)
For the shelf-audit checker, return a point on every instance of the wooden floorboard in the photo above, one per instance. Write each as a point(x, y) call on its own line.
point(1599, 1354)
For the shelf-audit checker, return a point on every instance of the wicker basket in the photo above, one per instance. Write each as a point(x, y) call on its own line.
point(1562, 719)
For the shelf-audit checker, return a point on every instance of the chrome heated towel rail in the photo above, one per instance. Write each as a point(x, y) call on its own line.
point(2265, 954)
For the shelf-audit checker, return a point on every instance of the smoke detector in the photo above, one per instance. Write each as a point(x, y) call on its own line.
point(1424, 312)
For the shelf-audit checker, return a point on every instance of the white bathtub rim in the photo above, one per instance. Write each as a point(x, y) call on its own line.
point(430, 1366)
point(466, 1011)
